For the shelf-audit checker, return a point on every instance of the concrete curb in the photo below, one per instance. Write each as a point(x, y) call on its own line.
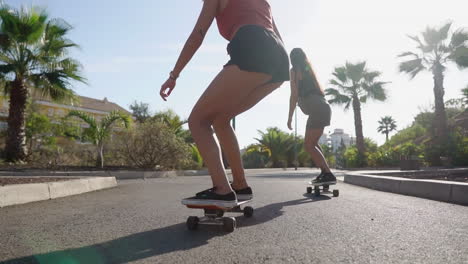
point(26, 193)
point(445, 191)
point(126, 174)
point(121, 175)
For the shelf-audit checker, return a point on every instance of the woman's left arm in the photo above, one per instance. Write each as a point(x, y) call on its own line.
point(193, 43)
point(292, 98)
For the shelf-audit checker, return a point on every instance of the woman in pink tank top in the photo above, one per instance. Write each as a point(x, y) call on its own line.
point(258, 65)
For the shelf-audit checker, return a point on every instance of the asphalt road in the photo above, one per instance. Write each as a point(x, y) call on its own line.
point(144, 222)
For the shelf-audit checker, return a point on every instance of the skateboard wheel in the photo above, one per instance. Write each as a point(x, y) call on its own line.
point(192, 223)
point(336, 193)
point(309, 189)
point(248, 211)
point(317, 192)
point(229, 224)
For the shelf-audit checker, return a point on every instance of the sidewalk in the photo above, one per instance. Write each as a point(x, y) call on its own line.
point(439, 190)
point(15, 194)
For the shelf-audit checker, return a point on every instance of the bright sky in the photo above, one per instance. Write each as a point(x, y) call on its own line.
point(129, 47)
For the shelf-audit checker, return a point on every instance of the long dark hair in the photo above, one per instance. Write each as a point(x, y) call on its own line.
point(301, 64)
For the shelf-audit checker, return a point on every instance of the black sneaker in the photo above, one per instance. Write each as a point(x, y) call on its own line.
point(244, 194)
point(205, 191)
point(212, 198)
point(318, 177)
point(325, 178)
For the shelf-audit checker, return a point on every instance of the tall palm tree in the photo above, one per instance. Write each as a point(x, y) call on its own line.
point(33, 55)
point(435, 50)
point(354, 84)
point(386, 125)
point(99, 132)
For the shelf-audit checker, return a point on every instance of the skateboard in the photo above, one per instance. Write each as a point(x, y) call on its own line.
point(214, 213)
point(325, 189)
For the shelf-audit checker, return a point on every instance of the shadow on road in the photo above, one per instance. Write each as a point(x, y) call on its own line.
point(129, 248)
point(272, 211)
point(156, 242)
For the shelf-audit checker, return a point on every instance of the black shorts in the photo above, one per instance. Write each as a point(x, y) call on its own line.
point(318, 110)
point(255, 49)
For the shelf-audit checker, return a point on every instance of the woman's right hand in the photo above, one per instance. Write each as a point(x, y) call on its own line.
point(166, 88)
point(290, 124)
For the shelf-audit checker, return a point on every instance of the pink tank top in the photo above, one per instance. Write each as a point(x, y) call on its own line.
point(238, 13)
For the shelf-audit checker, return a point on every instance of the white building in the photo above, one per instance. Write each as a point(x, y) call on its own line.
point(324, 139)
point(339, 136)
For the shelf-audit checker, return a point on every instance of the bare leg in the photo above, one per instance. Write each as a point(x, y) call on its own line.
point(311, 145)
point(227, 137)
point(224, 95)
point(321, 151)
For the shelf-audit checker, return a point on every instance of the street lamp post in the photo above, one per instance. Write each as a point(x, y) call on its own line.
point(295, 139)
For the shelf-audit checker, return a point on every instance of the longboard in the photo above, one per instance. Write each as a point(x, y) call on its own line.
point(325, 188)
point(214, 213)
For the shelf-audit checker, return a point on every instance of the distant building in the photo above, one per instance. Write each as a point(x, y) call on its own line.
point(324, 140)
point(339, 137)
point(54, 111)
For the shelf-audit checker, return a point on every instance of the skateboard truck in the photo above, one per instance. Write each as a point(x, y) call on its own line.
point(325, 189)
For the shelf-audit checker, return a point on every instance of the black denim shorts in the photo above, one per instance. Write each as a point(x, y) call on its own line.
point(318, 110)
point(256, 49)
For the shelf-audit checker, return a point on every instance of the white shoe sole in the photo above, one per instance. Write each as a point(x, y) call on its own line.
point(226, 204)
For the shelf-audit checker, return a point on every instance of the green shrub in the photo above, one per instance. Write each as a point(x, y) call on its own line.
point(153, 145)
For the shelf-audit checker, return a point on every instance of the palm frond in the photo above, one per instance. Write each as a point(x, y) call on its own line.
point(460, 56)
point(88, 119)
point(337, 97)
point(408, 53)
point(355, 71)
point(24, 25)
point(376, 90)
point(459, 38)
point(5, 41)
point(344, 88)
point(340, 74)
point(114, 116)
point(432, 37)
point(363, 99)
point(444, 31)
point(371, 76)
point(417, 39)
point(412, 67)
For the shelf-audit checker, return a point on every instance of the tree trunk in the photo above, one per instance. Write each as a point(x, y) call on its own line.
point(358, 125)
point(15, 149)
point(386, 136)
point(440, 120)
point(100, 156)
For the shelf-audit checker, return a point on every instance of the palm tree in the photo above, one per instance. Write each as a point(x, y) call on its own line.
point(434, 51)
point(386, 125)
point(99, 132)
point(172, 120)
point(33, 56)
point(353, 85)
point(277, 144)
